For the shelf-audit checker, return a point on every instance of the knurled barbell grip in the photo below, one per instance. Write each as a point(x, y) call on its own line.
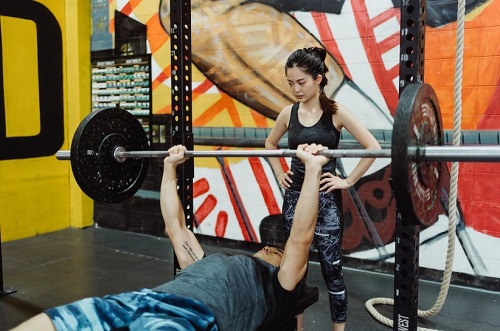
point(366, 153)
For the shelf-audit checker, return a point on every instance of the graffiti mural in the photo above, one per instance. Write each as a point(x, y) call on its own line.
point(238, 54)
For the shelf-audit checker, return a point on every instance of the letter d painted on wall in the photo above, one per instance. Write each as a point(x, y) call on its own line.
point(45, 80)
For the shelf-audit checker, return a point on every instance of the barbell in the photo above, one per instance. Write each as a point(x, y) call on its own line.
point(109, 154)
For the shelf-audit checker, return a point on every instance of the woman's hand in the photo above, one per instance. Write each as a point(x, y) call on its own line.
point(330, 182)
point(284, 179)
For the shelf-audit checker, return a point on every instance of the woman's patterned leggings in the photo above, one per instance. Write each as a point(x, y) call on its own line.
point(328, 240)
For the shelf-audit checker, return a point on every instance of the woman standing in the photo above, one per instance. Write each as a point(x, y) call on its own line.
point(315, 118)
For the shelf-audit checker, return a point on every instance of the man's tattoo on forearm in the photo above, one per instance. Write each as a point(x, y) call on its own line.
point(189, 250)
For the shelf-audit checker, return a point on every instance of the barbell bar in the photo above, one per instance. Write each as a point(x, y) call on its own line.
point(427, 154)
point(109, 154)
point(120, 154)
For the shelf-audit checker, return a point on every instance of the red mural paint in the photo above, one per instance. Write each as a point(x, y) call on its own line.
point(284, 164)
point(376, 196)
point(265, 187)
point(205, 209)
point(246, 227)
point(221, 224)
point(374, 50)
point(200, 187)
point(326, 35)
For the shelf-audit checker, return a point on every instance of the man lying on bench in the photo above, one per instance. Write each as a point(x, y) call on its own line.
point(215, 292)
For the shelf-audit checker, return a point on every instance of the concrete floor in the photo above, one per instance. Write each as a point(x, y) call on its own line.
point(67, 265)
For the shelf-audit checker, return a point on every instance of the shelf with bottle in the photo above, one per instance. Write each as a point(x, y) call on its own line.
point(122, 82)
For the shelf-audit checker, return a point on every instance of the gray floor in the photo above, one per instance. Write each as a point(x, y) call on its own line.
point(60, 267)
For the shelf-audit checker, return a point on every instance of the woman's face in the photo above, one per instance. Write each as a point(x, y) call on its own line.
point(302, 85)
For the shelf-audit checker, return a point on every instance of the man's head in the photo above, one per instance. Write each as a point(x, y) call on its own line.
point(271, 255)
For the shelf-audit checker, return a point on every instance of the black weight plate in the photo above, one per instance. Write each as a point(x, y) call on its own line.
point(97, 172)
point(417, 183)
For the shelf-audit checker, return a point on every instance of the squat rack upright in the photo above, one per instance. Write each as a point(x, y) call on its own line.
point(411, 70)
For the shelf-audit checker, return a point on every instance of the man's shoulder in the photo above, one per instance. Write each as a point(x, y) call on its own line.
point(241, 259)
point(217, 255)
point(226, 256)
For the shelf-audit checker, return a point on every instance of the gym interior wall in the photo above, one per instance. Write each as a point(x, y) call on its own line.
point(46, 92)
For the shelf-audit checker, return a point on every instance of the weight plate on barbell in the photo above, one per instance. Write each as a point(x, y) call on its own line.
point(97, 172)
point(417, 183)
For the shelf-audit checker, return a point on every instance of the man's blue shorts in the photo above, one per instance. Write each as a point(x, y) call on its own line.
point(140, 310)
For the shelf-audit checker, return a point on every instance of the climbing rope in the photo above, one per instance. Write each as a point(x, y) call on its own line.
point(452, 210)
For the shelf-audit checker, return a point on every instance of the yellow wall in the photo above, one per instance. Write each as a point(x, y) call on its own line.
point(39, 195)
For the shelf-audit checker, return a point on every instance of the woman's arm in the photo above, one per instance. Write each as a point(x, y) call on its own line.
point(277, 132)
point(346, 119)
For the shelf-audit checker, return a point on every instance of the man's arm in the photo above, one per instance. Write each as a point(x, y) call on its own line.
point(40, 322)
point(296, 254)
point(186, 246)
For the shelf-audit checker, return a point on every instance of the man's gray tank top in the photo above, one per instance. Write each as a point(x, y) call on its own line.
point(322, 132)
point(242, 291)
